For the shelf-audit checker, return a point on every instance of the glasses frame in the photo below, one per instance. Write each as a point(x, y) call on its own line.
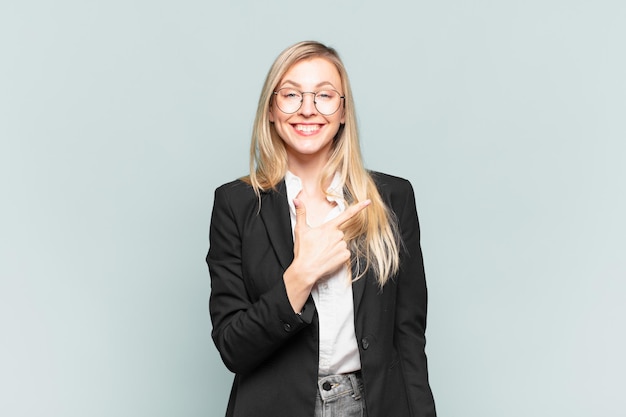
point(302, 93)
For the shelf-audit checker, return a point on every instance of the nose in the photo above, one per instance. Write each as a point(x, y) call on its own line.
point(307, 108)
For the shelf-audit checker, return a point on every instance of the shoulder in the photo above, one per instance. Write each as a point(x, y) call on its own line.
point(237, 194)
point(391, 186)
point(397, 193)
point(241, 196)
point(235, 189)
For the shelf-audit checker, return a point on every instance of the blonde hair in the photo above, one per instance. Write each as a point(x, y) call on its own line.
point(372, 234)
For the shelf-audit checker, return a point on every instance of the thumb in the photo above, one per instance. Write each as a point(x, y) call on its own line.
point(300, 213)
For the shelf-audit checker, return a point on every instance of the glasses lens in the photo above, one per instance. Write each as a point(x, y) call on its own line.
point(327, 102)
point(288, 100)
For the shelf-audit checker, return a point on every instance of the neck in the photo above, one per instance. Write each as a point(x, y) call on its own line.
point(309, 170)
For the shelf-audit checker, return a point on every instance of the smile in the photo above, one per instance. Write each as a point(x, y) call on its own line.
point(307, 128)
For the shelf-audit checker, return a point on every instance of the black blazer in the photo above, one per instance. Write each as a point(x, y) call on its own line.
point(274, 352)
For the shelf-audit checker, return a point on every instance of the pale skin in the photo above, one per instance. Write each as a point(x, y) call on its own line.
point(319, 248)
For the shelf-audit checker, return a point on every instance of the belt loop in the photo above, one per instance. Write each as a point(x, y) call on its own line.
point(355, 386)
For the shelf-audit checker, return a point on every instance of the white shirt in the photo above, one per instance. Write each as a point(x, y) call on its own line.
point(338, 349)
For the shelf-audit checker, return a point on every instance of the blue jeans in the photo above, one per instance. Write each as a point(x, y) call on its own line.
point(340, 396)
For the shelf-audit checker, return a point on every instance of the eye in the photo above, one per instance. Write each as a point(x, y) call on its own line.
point(289, 94)
point(326, 95)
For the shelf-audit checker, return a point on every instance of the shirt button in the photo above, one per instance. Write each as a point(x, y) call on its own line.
point(365, 343)
point(287, 327)
point(326, 386)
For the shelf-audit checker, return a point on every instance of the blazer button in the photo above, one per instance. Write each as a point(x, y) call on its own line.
point(287, 327)
point(365, 343)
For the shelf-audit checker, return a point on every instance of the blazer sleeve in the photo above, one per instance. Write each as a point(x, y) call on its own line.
point(411, 309)
point(245, 332)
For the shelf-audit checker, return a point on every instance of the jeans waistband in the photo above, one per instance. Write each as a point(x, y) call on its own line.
point(335, 386)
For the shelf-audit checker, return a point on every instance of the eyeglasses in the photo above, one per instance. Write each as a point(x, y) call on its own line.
point(326, 102)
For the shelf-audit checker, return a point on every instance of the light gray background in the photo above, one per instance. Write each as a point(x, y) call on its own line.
point(119, 118)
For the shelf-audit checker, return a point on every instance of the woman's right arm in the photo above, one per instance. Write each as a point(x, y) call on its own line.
point(246, 333)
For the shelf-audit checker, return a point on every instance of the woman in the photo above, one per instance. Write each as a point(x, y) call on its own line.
point(318, 296)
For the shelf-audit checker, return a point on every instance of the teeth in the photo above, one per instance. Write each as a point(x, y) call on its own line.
point(307, 128)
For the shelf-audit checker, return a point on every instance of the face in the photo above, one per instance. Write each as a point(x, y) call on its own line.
point(307, 133)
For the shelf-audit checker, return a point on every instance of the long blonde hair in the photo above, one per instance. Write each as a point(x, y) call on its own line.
point(372, 234)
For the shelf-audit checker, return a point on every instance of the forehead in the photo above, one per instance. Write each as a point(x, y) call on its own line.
point(312, 72)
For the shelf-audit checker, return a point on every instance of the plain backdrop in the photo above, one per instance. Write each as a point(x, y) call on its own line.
point(118, 119)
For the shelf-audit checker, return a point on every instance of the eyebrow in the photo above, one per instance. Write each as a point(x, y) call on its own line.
point(295, 84)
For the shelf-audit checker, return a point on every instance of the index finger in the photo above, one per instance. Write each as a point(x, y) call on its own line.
point(349, 213)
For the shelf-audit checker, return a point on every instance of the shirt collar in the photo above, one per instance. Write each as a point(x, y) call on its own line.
point(335, 190)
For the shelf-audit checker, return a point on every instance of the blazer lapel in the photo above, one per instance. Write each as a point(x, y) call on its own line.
point(275, 215)
point(358, 287)
point(277, 220)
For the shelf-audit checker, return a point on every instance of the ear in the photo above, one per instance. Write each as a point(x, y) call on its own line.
point(343, 115)
point(271, 115)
